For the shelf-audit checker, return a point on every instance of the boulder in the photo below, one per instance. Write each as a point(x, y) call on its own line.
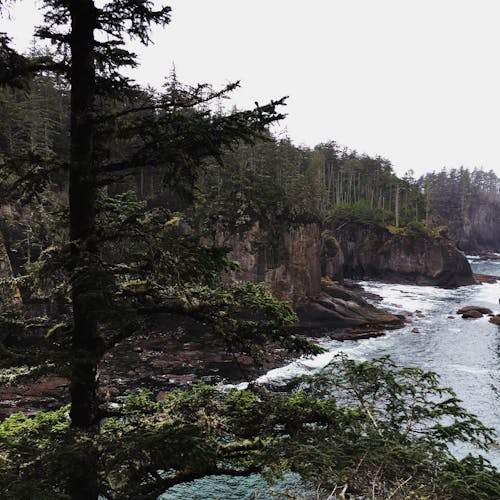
point(479, 309)
point(495, 319)
point(473, 314)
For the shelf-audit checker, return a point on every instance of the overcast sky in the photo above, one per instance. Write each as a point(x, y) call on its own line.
point(415, 81)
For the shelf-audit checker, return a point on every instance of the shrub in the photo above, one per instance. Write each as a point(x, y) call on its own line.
point(360, 212)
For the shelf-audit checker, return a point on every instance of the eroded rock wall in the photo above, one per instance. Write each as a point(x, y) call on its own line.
point(375, 252)
point(480, 228)
point(286, 257)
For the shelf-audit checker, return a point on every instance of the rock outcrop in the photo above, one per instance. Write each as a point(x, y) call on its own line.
point(340, 307)
point(287, 258)
point(479, 230)
point(495, 319)
point(479, 309)
point(372, 251)
point(332, 257)
point(290, 260)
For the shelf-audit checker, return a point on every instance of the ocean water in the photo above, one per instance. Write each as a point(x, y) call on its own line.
point(465, 354)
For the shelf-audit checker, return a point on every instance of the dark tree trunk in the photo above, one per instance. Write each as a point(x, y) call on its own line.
point(82, 194)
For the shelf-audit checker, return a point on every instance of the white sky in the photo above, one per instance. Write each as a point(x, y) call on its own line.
point(415, 81)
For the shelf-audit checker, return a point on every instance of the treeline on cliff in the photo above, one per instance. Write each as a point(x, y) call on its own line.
point(104, 220)
point(468, 202)
point(270, 176)
point(268, 179)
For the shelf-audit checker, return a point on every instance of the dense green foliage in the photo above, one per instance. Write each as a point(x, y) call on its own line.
point(276, 179)
point(361, 213)
point(368, 429)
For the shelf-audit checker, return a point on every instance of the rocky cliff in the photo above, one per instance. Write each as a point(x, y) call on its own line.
point(286, 257)
point(413, 256)
point(480, 228)
point(289, 259)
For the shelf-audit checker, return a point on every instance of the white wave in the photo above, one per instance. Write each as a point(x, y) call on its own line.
point(232, 387)
point(474, 370)
point(409, 298)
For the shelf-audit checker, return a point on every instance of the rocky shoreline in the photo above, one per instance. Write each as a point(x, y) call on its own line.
point(177, 357)
point(298, 263)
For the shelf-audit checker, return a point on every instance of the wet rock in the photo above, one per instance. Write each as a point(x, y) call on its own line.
point(340, 307)
point(415, 330)
point(495, 319)
point(357, 334)
point(479, 309)
point(473, 314)
point(485, 278)
point(488, 256)
point(49, 392)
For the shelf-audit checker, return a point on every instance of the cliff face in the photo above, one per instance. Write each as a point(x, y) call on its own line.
point(286, 258)
point(480, 229)
point(332, 257)
point(290, 259)
point(374, 252)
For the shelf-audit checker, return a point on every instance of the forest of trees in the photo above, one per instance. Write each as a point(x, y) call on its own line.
point(265, 179)
point(108, 222)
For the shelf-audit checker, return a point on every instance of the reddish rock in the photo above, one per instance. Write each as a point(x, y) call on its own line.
point(287, 258)
point(485, 278)
point(51, 391)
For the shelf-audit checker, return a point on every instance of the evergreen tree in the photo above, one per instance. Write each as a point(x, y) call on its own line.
point(172, 134)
